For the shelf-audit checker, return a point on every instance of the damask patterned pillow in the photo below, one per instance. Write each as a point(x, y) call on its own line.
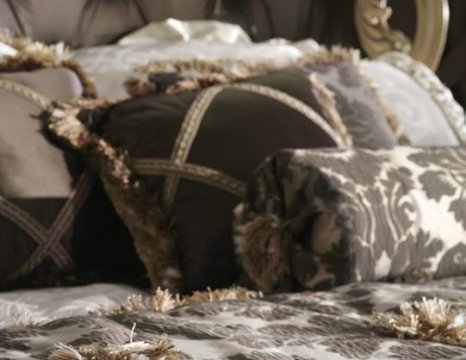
point(195, 150)
point(369, 120)
point(56, 224)
point(314, 219)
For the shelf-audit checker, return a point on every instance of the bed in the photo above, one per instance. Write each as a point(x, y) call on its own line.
point(241, 260)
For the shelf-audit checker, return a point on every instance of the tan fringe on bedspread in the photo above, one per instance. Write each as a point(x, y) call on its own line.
point(163, 350)
point(428, 320)
point(163, 300)
point(159, 301)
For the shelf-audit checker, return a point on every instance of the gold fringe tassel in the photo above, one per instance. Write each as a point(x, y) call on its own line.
point(162, 350)
point(33, 55)
point(428, 320)
point(153, 239)
point(163, 300)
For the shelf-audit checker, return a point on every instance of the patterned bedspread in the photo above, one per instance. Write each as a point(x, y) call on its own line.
point(329, 325)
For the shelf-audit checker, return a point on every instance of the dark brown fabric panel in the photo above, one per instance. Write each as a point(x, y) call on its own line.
point(238, 130)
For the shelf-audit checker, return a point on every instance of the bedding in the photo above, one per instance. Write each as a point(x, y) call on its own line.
point(427, 112)
point(334, 325)
point(174, 135)
point(109, 66)
point(314, 219)
point(172, 30)
point(368, 119)
point(54, 215)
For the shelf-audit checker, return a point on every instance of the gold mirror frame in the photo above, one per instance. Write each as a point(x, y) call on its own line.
point(377, 37)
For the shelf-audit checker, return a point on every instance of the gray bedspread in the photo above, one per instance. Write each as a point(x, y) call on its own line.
point(329, 325)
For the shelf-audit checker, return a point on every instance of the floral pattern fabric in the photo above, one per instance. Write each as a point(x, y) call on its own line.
point(331, 325)
point(362, 215)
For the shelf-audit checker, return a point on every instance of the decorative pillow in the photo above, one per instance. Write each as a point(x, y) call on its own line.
point(427, 112)
point(30, 55)
point(313, 219)
point(110, 66)
point(369, 121)
point(56, 224)
point(195, 150)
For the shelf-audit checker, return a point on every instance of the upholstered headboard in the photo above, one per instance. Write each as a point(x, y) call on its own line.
point(361, 23)
point(90, 22)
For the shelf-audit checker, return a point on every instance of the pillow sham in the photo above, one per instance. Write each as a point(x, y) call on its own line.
point(196, 149)
point(110, 66)
point(314, 219)
point(427, 112)
point(368, 119)
point(56, 223)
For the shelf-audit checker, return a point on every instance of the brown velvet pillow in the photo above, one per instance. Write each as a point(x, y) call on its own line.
point(195, 150)
point(56, 224)
point(368, 119)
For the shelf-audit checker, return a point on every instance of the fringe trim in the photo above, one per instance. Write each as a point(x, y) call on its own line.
point(338, 54)
point(33, 55)
point(327, 99)
point(428, 320)
point(162, 350)
point(162, 300)
point(199, 74)
point(242, 69)
point(153, 240)
point(264, 245)
point(392, 119)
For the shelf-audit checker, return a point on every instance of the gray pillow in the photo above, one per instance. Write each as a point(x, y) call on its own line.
point(56, 224)
point(364, 114)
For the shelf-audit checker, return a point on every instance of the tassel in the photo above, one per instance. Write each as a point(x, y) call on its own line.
point(162, 300)
point(264, 246)
point(428, 320)
point(162, 350)
point(33, 55)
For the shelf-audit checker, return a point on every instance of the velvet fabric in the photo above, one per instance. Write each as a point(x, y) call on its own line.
point(238, 129)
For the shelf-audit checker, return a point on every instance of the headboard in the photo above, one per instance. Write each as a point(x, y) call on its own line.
point(360, 23)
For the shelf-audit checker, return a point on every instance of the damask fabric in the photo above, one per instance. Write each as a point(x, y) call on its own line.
point(54, 217)
point(222, 133)
point(360, 215)
point(421, 119)
point(332, 325)
point(357, 104)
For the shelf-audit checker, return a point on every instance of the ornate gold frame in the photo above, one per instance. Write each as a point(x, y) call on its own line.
point(377, 37)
